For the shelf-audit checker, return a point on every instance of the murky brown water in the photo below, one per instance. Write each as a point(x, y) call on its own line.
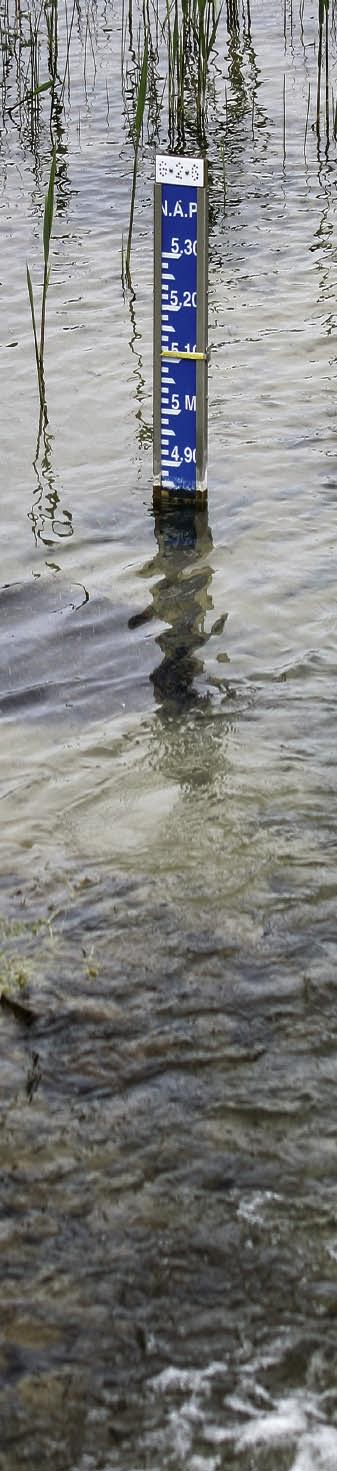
point(168, 781)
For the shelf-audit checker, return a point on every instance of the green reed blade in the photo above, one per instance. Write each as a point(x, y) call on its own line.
point(137, 132)
point(32, 308)
point(142, 93)
point(49, 209)
point(42, 87)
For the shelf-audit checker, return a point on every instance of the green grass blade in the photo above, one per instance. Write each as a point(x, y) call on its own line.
point(42, 87)
point(142, 93)
point(138, 128)
point(49, 209)
point(32, 308)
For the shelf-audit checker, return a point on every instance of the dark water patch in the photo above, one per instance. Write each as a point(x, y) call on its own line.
point(63, 655)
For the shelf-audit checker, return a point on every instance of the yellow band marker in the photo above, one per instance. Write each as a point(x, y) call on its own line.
point(196, 357)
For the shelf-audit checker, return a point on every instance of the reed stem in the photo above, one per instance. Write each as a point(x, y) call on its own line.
point(40, 346)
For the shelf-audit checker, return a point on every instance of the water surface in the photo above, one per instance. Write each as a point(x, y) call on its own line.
point(168, 784)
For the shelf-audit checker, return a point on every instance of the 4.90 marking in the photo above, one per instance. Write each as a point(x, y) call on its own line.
point(189, 455)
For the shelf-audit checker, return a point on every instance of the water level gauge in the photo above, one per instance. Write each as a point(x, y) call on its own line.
point(180, 359)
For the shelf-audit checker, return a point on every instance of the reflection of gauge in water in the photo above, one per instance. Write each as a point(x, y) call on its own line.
point(181, 598)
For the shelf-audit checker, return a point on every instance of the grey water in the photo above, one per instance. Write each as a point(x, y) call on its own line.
point(168, 937)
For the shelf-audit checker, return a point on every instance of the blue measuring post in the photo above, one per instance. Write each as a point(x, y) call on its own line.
point(180, 326)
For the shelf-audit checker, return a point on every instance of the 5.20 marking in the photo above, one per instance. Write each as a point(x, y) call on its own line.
point(189, 299)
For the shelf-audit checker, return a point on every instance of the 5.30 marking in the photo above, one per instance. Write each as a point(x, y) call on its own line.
point(189, 247)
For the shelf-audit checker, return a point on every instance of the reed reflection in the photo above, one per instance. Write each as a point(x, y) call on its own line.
point(49, 518)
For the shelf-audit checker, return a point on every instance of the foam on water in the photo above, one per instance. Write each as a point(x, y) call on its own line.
point(204, 1437)
point(254, 1207)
